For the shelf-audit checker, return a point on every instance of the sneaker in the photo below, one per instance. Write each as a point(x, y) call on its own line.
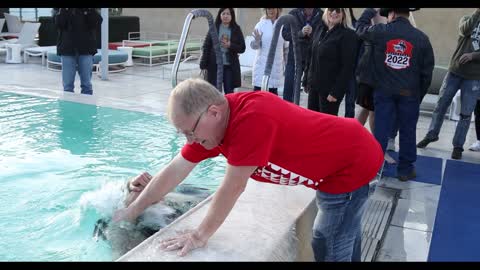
point(405, 178)
point(457, 153)
point(423, 143)
point(391, 144)
point(475, 146)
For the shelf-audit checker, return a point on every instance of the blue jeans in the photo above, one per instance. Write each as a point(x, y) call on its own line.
point(404, 110)
point(470, 92)
point(337, 230)
point(350, 96)
point(84, 65)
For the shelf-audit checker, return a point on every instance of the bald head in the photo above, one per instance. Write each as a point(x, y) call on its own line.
point(191, 97)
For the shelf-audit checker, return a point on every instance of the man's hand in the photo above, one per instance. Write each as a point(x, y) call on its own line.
point(331, 98)
point(185, 241)
point(139, 182)
point(465, 58)
point(307, 30)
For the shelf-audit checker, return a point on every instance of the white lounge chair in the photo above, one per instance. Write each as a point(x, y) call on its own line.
point(26, 37)
point(2, 22)
point(14, 26)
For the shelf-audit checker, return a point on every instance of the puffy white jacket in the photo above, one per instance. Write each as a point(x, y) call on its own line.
point(266, 27)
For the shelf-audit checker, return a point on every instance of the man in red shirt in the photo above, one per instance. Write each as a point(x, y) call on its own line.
point(255, 131)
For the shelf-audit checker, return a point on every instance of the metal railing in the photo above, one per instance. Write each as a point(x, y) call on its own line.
point(213, 35)
point(294, 28)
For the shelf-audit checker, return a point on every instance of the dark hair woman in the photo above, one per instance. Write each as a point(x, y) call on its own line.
point(232, 43)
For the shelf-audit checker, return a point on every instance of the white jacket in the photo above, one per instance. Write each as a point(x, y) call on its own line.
point(276, 80)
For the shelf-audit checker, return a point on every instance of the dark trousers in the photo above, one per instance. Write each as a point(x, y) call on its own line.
point(406, 109)
point(350, 97)
point(317, 101)
point(289, 79)
point(271, 90)
point(477, 119)
point(227, 79)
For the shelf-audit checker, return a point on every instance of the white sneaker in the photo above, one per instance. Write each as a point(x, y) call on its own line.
point(391, 144)
point(475, 146)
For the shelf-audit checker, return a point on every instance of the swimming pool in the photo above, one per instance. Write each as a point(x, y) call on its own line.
point(61, 162)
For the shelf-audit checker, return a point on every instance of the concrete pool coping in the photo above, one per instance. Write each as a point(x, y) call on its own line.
point(267, 223)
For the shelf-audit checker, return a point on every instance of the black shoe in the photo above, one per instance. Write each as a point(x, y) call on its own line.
point(405, 178)
point(457, 153)
point(423, 143)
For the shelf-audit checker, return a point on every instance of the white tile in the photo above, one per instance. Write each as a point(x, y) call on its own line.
point(422, 194)
point(394, 183)
point(384, 194)
point(404, 245)
point(414, 215)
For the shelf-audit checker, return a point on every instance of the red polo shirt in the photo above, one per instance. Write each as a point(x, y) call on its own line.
point(292, 145)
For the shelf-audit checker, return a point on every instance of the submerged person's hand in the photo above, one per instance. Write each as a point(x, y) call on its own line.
point(185, 241)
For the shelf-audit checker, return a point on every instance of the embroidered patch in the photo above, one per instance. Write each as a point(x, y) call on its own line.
point(398, 54)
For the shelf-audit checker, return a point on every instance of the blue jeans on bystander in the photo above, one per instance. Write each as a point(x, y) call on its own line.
point(81, 63)
point(470, 92)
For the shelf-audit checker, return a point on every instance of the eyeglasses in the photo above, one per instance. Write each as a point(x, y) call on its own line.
point(338, 10)
point(191, 134)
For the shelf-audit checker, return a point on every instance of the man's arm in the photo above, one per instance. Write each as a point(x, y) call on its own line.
point(364, 29)
point(233, 185)
point(162, 183)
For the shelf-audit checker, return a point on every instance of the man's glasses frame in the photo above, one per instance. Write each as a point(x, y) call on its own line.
point(191, 134)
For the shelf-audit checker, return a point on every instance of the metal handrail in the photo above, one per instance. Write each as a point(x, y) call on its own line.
point(294, 27)
point(215, 43)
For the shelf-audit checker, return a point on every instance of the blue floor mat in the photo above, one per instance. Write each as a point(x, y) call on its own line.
point(429, 169)
point(456, 233)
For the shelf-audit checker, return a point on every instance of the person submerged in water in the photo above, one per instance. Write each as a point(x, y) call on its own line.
point(125, 236)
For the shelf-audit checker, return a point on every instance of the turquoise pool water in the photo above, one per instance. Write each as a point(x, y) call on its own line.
point(60, 165)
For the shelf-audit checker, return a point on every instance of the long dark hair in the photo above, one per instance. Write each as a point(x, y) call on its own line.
point(218, 20)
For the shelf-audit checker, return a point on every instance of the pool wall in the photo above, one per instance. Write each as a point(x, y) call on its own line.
point(268, 223)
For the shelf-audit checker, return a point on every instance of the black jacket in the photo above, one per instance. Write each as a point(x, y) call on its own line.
point(364, 72)
point(333, 57)
point(305, 42)
point(76, 30)
point(403, 57)
point(208, 58)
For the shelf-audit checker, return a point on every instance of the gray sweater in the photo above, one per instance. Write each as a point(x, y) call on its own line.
point(469, 28)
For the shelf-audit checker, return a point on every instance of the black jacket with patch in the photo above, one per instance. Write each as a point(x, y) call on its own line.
point(403, 57)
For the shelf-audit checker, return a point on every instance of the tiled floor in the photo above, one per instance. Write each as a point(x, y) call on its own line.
point(146, 89)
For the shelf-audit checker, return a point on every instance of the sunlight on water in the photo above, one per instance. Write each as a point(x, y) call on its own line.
point(62, 165)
